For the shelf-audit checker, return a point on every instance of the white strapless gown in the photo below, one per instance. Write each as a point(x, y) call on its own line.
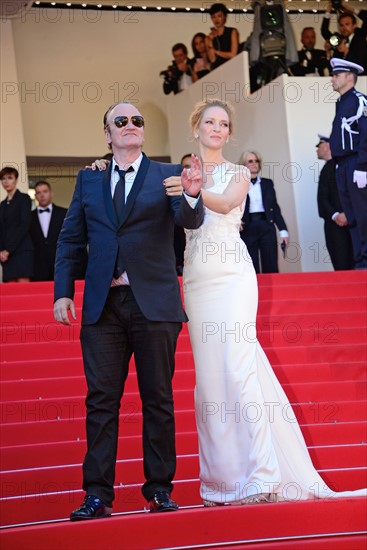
point(249, 439)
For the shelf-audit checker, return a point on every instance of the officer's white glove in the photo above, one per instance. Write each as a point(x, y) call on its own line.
point(360, 178)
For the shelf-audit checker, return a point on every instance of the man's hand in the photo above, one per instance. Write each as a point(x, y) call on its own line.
point(341, 219)
point(61, 308)
point(4, 255)
point(360, 178)
point(173, 186)
point(192, 178)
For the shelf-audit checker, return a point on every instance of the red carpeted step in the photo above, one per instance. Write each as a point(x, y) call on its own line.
point(44, 431)
point(296, 324)
point(27, 481)
point(72, 452)
point(23, 325)
point(199, 527)
point(184, 375)
point(315, 290)
point(49, 388)
point(269, 333)
point(290, 353)
point(61, 500)
point(306, 412)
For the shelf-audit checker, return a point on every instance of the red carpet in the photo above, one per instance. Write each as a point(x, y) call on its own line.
point(313, 329)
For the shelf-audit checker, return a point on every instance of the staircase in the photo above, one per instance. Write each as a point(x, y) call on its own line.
point(312, 327)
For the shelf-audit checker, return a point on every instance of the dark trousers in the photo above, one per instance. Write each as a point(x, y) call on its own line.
point(339, 245)
point(107, 348)
point(261, 240)
point(354, 202)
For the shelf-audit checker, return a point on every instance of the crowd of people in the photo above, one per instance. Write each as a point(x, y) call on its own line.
point(28, 238)
point(222, 43)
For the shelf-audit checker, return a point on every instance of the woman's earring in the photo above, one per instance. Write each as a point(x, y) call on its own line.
point(227, 140)
point(196, 136)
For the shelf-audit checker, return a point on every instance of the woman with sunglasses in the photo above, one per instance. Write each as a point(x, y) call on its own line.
point(261, 217)
point(251, 449)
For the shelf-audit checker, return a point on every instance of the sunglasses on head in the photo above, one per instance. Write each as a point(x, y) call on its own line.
point(121, 121)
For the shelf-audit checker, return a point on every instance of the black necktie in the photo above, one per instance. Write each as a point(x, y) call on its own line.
point(119, 203)
point(45, 210)
point(119, 194)
point(253, 180)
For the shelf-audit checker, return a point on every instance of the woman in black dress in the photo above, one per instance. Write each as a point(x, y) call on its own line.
point(16, 248)
point(222, 42)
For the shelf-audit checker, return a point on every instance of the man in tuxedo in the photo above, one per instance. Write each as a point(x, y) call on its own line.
point(46, 223)
point(262, 214)
point(131, 304)
point(353, 46)
point(310, 60)
point(337, 236)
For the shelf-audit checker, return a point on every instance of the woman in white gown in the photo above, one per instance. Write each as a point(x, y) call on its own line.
point(251, 448)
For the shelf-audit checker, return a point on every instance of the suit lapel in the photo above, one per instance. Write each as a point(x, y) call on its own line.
point(139, 179)
point(106, 184)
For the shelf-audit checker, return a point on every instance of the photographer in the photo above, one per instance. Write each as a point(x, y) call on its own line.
point(178, 76)
point(350, 42)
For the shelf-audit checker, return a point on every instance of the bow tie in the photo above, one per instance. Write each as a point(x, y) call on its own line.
point(253, 180)
point(45, 210)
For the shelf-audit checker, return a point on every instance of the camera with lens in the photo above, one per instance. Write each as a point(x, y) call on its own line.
point(172, 73)
point(337, 4)
point(335, 40)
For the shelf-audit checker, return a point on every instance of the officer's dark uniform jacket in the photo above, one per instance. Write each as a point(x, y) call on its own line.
point(349, 132)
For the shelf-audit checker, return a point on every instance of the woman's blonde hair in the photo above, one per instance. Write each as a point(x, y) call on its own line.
point(200, 108)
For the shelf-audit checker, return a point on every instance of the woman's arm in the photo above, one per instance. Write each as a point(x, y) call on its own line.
point(233, 196)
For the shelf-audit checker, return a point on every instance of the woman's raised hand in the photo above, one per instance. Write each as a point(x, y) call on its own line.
point(192, 178)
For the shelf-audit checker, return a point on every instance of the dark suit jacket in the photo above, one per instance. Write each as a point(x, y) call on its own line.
point(272, 208)
point(145, 236)
point(358, 47)
point(14, 230)
point(328, 200)
point(45, 248)
point(318, 60)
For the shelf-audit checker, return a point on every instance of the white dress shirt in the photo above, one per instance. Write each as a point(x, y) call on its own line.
point(44, 218)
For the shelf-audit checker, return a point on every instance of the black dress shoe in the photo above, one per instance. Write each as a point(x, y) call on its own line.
point(91, 508)
point(162, 502)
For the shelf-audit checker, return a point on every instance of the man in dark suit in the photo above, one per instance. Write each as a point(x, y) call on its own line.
point(262, 213)
point(337, 235)
point(310, 59)
point(46, 223)
point(131, 304)
point(353, 46)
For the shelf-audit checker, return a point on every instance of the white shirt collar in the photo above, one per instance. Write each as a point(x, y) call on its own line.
point(135, 164)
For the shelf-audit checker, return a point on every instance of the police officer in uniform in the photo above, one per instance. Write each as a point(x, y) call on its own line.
point(348, 145)
point(336, 228)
